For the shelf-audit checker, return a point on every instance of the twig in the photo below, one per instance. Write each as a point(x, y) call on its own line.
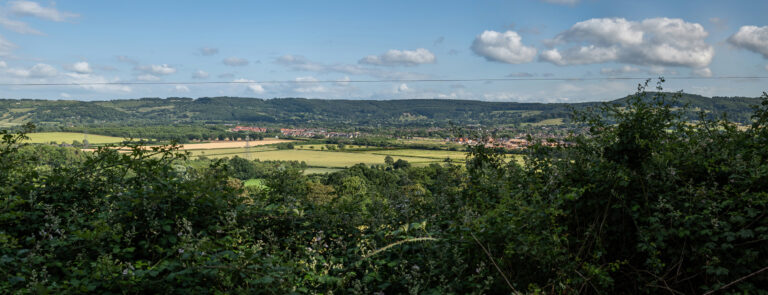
point(382, 249)
point(738, 280)
point(494, 262)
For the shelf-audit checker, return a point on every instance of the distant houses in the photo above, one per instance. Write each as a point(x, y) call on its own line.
point(317, 133)
point(507, 143)
point(248, 129)
point(298, 132)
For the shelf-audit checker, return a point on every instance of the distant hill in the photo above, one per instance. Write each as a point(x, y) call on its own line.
point(317, 112)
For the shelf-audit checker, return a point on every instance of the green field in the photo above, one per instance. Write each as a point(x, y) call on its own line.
point(330, 161)
point(68, 137)
point(430, 154)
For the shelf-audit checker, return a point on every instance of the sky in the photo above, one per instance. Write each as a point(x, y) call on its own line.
point(513, 50)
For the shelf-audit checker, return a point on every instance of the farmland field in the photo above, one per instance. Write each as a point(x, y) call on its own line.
point(230, 144)
point(68, 137)
point(320, 158)
point(431, 154)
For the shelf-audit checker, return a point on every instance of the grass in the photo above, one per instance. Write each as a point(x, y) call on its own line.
point(256, 182)
point(68, 137)
point(429, 154)
point(316, 158)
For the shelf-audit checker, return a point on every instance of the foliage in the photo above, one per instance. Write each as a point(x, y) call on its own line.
point(645, 202)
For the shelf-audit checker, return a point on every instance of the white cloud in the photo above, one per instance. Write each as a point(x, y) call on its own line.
point(29, 8)
point(162, 69)
point(256, 88)
point(81, 67)
point(181, 88)
point(235, 61)
point(402, 88)
point(652, 42)
point(564, 2)
point(751, 38)
point(200, 74)
point(65, 95)
point(394, 57)
point(95, 83)
point(503, 47)
point(3, 64)
point(18, 26)
point(308, 84)
point(40, 70)
point(580, 55)
point(208, 51)
point(148, 78)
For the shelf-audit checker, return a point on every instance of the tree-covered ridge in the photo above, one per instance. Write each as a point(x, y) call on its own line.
point(645, 202)
point(317, 112)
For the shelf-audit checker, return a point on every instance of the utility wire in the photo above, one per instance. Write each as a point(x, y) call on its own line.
point(385, 81)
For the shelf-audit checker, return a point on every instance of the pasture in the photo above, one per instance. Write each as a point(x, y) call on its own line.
point(68, 137)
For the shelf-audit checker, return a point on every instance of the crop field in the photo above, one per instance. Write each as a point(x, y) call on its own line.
point(330, 161)
point(430, 154)
point(231, 144)
point(68, 137)
point(320, 158)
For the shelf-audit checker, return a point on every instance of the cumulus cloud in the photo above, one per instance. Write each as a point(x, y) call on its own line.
point(651, 42)
point(39, 70)
point(208, 51)
point(394, 57)
point(162, 69)
point(403, 88)
point(81, 67)
point(235, 61)
point(751, 38)
point(308, 84)
point(3, 64)
point(503, 47)
point(200, 74)
point(95, 83)
point(29, 8)
point(256, 88)
point(252, 87)
point(181, 88)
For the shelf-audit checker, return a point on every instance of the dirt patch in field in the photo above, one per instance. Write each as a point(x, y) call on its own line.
point(230, 144)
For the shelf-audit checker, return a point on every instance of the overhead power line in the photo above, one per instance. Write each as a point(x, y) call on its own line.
point(385, 81)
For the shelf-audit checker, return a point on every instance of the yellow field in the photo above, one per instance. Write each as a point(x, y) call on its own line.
point(68, 137)
point(431, 154)
point(320, 158)
point(231, 144)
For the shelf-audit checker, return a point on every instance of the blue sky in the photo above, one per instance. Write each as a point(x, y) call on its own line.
point(298, 44)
